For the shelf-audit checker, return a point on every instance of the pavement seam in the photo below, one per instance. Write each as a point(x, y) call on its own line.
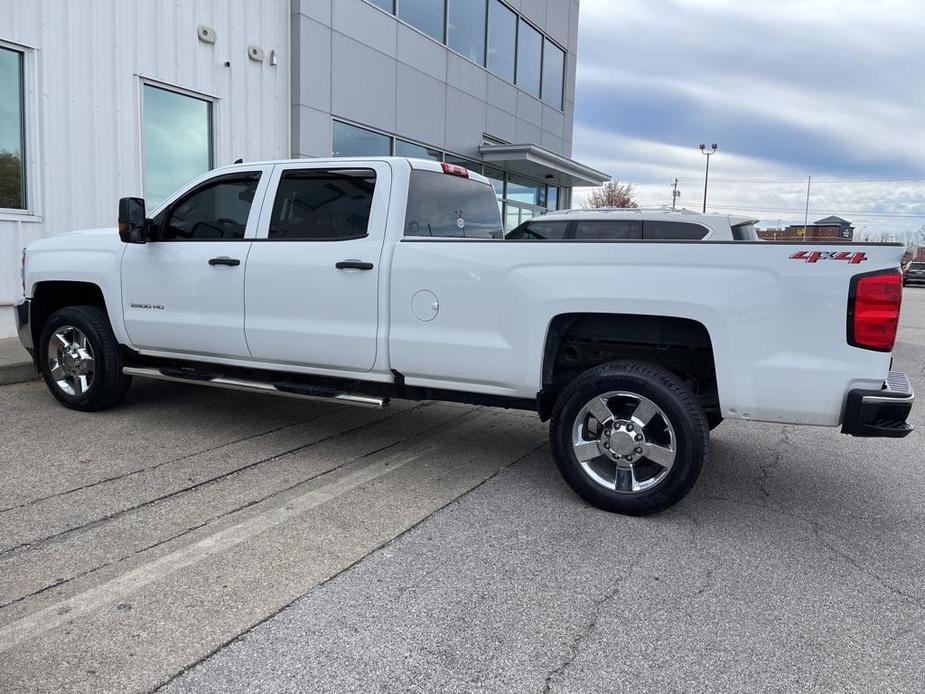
point(32, 502)
point(121, 512)
point(219, 517)
point(347, 568)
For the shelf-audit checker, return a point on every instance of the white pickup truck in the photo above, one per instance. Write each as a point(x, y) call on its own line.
point(359, 280)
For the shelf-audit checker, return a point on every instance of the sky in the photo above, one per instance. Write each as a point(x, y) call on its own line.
point(787, 89)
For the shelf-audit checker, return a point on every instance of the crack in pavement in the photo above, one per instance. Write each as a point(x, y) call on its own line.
point(12, 552)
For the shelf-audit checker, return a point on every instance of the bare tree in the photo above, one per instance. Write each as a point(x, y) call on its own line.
point(611, 194)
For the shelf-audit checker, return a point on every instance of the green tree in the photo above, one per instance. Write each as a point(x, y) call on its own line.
point(10, 180)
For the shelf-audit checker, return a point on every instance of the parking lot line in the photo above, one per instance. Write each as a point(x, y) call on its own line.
point(67, 610)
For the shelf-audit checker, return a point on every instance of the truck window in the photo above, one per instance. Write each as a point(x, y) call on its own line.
point(539, 231)
point(322, 205)
point(677, 231)
point(446, 206)
point(608, 230)
point(217, 210)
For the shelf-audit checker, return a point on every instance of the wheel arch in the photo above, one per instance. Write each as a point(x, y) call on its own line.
point(51, 295)
point(576, 342)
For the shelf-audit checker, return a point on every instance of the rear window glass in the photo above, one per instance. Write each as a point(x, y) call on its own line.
point(445, 206)
point(605, 230)
point(539, 231)
point(674, 231)
point(322, 205)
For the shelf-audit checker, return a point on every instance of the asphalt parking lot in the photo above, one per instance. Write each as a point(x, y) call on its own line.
point(207, 541)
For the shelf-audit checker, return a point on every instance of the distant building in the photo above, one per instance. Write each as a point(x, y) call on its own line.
point(920, 254)
point(830, 228)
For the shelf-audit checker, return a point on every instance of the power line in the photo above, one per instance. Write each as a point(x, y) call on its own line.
point(797, 211)
point(819, 180)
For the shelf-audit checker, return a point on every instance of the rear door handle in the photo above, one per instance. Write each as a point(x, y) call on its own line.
point(224, 260)
point(353, 265)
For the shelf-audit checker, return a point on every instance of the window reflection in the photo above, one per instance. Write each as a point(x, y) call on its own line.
point(553, 74)
point(426, 15)
point(502, 37)
point(177, 141)
point(529, 58)
point(12, 131)
point(409, 149)
point(466, 29)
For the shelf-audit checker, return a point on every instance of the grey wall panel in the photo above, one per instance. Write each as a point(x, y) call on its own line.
point(421, 52)
point(502, 94)
point(366, 24)
point(319, 10)
point(553, 121)
point(421, 104)
point(313, 65)
point(529, 108)
point(524, 131)
point(363, 84)
point(500, 124)
point(535, 11)
point(465, 122)
point(552, 142)
point(557, 20)
point(466, 76)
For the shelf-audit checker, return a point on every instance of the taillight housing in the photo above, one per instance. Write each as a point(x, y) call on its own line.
point(874, 300)
point(455, 170)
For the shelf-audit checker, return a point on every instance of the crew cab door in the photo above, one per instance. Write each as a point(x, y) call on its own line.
point(184, 292)
point(312, 284)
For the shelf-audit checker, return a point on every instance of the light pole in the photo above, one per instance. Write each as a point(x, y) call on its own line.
point(706, 176)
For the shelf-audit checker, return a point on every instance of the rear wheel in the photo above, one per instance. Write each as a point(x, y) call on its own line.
point(629, 437)
point(80, 359)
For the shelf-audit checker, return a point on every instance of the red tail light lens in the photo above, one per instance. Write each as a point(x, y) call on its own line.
point(873, 309)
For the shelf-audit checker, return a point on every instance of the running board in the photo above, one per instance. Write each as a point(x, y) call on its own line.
point(290, 390)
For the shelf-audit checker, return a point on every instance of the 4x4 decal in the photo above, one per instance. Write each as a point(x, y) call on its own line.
point(853, 257)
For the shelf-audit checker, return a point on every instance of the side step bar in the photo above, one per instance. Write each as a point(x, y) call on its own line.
point(290, 390)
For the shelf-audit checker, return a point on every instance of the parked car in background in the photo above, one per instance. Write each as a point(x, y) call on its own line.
point(914, 272)
point(636, 224)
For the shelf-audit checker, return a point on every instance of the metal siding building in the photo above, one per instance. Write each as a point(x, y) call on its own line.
point(321, 67)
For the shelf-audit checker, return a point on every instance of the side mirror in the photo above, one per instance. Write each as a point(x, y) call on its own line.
point(132, 221)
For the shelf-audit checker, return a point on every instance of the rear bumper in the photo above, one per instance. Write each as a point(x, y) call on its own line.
point(880, 412)
point(23, 310)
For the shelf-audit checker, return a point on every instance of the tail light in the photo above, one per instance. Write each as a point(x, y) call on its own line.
point(873, 309)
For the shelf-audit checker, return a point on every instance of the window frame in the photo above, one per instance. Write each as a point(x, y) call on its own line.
point(32, 209)
point(205, 181)
point(214, 118)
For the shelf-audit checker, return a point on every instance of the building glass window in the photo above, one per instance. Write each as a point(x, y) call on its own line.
point(320, 205)
point(409, 149)
point(12, 131)
point(387, 5)
point(351, 141)
point(529, 58)
point(177, 141)
point(461, 161)
point(426, 15)
point(553, 73)
point(525, 191)
point(552, 198)
point(502, 40)
point(466, 28)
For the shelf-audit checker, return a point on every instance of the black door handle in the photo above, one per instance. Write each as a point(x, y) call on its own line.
point(353, 265)
point(224, 261)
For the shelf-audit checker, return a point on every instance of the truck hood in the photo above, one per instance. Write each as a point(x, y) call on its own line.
point(84, 238)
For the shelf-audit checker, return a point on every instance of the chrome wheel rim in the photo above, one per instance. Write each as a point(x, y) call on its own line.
point(70, 360)
point(624, 442)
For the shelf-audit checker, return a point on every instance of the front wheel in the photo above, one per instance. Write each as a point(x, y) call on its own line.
point(80, 359)
point(629, 437)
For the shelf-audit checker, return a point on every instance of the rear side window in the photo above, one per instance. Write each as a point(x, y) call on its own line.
point(323, 205)
point(215, 211)
point(445, 206)
point(678, 231)
point(744, 232)
point(608, 230)
point(539, 231)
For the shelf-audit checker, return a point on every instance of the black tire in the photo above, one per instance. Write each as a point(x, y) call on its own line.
point(108, 385)
point(680, 408)
point(714, 419)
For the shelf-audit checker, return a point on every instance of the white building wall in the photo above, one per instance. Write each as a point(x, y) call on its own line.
point(85, 62)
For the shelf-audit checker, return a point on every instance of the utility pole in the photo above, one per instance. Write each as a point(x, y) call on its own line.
point(809, 184)
point(706, 176)
point(675, 194)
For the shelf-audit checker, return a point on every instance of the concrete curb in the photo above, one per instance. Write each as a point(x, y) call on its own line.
point(17, 372)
